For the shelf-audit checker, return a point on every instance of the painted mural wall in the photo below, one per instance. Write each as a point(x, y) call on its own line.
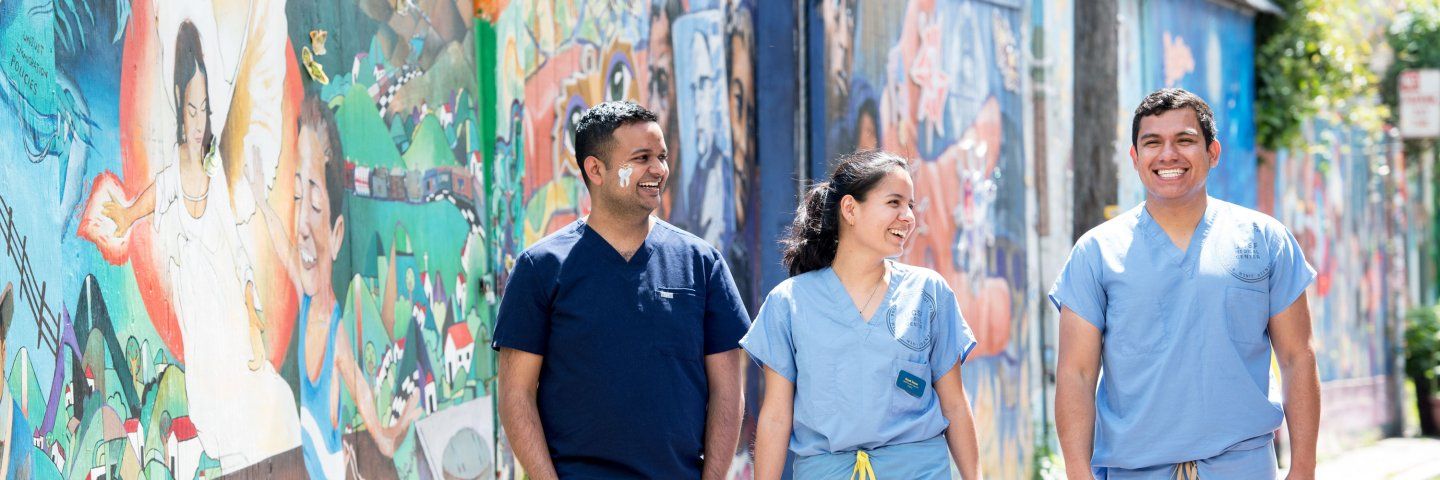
point(244, 237)
point(1349, 202)
point(264, 238)
point(941, 83)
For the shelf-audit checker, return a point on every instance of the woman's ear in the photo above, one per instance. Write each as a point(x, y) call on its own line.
point(848, 205)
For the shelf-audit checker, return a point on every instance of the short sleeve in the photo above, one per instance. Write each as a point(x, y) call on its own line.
point(953, 338)
point(1078, 286)
point(1290, 274)
point(523, 322)
point(725, 315)
point(769, 341)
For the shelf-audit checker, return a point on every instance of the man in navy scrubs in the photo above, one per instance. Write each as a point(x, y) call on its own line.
point(619, 334)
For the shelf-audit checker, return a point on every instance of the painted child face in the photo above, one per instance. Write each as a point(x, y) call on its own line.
point(317, 238)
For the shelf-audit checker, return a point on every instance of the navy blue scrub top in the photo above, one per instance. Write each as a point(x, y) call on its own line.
point(622, 388)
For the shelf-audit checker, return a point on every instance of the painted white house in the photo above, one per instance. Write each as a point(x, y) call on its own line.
point(459, 350)
point(182, 448)
point(136, 433)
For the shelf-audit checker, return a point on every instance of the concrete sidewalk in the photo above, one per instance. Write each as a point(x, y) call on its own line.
point(1392, 458)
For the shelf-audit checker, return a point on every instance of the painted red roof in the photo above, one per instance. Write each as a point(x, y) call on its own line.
point(460, 334)
point(182, 428)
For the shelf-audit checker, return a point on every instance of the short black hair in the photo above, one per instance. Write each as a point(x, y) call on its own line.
point(1167, 99)
point(597, 127)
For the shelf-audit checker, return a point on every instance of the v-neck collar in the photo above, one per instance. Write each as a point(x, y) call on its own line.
point(1157, 235)
point(853, 313)
point(642, 253)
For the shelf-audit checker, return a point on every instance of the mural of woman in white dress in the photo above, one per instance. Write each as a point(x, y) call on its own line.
point(242, 409)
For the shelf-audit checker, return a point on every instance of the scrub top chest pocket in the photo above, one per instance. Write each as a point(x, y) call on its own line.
point(911, 391)
point(909, 325)
point(1247, 315)
point(677, 315)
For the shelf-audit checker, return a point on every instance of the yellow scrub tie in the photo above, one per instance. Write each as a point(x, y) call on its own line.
point(863, 470)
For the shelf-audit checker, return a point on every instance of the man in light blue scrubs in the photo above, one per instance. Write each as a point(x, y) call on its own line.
point(1180, 301)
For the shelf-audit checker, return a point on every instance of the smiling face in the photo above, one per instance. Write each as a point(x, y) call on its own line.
point(884, 220)
point(317, 237)
point(632, 178)
point(1171, 157)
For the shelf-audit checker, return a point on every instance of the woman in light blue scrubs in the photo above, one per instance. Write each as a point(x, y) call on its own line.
point(861, 353)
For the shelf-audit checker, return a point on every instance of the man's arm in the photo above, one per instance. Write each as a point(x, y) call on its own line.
point(960, 435)
point(1075, 375)
point(1290, 335)
point(722, 413)
point(772, 427)
point(519, 415)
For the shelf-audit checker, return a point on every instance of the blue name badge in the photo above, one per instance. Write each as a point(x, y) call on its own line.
point(911, 384)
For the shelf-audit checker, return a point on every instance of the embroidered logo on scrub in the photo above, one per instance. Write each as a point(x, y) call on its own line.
point(1248, 262)
point(911, 384)
point(909, 321)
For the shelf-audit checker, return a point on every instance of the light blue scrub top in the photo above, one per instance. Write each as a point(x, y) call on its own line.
point(846, 370)
point(1186, 350)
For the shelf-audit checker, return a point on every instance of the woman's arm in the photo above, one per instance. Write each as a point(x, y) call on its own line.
point(772, 435)
point(961, 434)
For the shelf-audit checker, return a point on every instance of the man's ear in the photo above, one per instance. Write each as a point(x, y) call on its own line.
point(1134, 158)
point(1214, 150)
point(337, 235)
point(594, 169)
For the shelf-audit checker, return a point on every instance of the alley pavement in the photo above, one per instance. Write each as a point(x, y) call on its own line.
point(1388, 459)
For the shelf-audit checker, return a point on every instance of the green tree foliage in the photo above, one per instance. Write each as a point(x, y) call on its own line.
point(1414, 37)
point(1313, 58)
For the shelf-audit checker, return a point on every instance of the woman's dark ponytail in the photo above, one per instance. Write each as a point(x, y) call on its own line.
point(815, 234)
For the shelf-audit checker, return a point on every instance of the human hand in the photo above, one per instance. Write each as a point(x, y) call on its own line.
point(389, 437)
point(255, 175)
point(118, 213)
